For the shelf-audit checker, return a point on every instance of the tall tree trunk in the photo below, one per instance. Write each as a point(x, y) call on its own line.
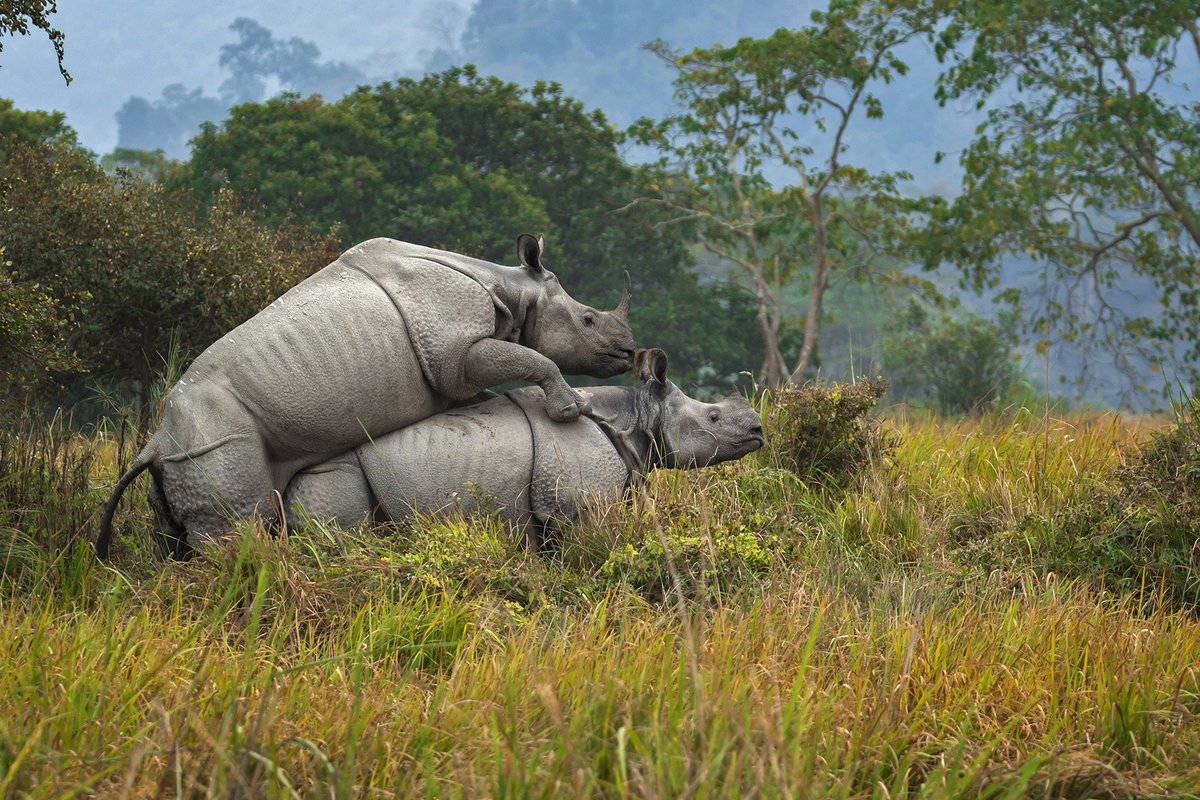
point(774, 367)
point(771, 375)
point(816, 292)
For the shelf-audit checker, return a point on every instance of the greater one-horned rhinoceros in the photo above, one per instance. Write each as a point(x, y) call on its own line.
point(383, 337)
point(502, 453)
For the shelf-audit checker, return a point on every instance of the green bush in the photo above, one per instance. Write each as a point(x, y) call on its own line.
point(125, 266)
point(959, 364)
point(822, 432)
point(1139, 533)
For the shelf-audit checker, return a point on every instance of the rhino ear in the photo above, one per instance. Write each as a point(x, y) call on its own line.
point(529, 251)
point(639, 364)
point(651, 365)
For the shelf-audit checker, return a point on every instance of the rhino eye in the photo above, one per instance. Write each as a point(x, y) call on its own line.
point(588, 319)
point(714, 415)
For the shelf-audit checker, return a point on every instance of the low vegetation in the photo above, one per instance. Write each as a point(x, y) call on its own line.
point(1001, 606)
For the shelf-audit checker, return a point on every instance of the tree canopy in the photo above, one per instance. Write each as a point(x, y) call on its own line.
point(35, 127)
point(756, 159)
point(466, 162)
point(22, 17)
point(1087, 165)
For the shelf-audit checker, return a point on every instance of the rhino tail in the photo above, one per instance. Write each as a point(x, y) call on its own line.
point(143, 462)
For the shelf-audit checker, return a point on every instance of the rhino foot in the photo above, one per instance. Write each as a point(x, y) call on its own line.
point(566, 406)
point(564, 414)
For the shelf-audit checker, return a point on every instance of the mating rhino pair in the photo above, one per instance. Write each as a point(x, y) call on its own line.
point(387, 335)
point(504, 454)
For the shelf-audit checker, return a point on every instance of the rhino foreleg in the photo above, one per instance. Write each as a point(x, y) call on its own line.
point(492, 361)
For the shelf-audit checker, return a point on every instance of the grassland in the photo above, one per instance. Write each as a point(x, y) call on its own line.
point(999, 607)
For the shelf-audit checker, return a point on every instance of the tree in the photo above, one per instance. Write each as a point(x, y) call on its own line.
point(35, 127)
point(369, 164)
point(134, 267)
point(1090, 170)
point(149, 164)
point(738, 133)
point(258, 55)
point(167, 123)
point(22, 16)
point(460, 161)
point(961, 362)
point(256, 59)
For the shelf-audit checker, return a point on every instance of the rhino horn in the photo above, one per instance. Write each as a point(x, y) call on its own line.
point(622, 309)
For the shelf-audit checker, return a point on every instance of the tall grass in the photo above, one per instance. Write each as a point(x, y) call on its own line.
point(738, 631)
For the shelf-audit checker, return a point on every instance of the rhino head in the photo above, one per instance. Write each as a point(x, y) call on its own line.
point(691, 433)
point(580, 339)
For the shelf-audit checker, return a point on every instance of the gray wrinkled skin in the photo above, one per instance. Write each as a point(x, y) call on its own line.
point(385, 336)
point(503, 455)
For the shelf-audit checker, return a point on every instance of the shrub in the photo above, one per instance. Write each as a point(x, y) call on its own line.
point(132, 267)
point(1140, 533)
point(822, 432)
point(961, 364)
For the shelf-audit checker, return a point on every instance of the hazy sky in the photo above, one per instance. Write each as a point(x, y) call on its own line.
point(120, 48)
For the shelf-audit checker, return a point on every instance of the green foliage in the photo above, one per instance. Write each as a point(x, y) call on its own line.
point(1089, 170)
point(961, 363)
point(34, 127)
point(20, 17)
point(369, 163)
point(463, 162)
point(148, 164)
point(34, 352)
point(132, 268)
point(745, 113)
point(823, 433)
point(1138, 531)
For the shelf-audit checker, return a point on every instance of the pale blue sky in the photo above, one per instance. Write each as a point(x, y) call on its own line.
point(120, 48)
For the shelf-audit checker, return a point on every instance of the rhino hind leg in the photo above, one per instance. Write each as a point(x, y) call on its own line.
point(170, 538)
point(335, 491)
point(209, 488)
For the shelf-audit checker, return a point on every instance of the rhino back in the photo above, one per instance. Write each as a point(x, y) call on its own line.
point(477, 457)
point(336, 359)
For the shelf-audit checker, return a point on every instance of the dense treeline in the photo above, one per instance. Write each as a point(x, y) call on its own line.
point(103, 275)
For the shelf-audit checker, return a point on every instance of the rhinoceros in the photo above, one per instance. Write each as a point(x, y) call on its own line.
point(387, 335)
point(503, 454)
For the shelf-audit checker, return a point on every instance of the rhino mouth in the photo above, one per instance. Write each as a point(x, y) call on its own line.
point(752, 443)
point(621, 355)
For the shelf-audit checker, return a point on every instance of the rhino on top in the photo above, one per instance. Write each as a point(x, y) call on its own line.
point(385, 336)
point(504, 454)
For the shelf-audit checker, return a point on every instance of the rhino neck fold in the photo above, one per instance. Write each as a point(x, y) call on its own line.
point(648, 424)
point(524, 319)
point(632, 425)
